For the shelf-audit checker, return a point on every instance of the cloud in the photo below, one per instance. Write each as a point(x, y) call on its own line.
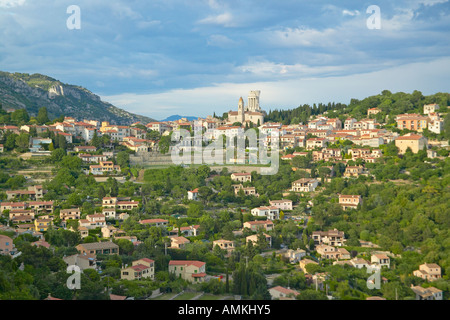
point(432, 2)
point(148, 24)
point(268, 69)
point(225, 19)
point(219, 40)
point(165, 45)
point(214, 4)
point(290, 93)
point(123, 11)
point(353, 13)
point(11, 3)
point(294, 37)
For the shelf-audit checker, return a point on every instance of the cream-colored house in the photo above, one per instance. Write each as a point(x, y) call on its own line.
point(190, 231)
point(331, 237)
point(178, 242)
point(83, 261)
point(305, 185)
point(353, 171)
point(373, 111)
point(359, 263)
point(430, 293)
point(226, 245)
point(415, 142)
point(189, 270)
point(283, 204)
point(107, 247)
point(84, 232)
point(73, 213)
point(349, 201)
point(430, 108)
point(329, 252)
point(304, 262)
point(254, 238)
point(248, 191)
point(139, 269)
point(93, 221)
point(428, 271)
point(380, 259)
point(241, 177)
point(108, 231)
point(33, 193)
point(256, 225)
point(281, 293)
point(295, 256)
point(155, 222)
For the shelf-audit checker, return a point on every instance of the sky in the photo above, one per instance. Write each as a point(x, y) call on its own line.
point(164, 57)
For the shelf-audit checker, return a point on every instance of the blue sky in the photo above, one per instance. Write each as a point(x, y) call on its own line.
point(164, 57)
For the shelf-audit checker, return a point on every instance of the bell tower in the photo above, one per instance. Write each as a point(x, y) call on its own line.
point(241, 112)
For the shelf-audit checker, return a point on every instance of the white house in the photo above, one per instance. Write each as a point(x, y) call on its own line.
point(282, 204)
point(272, 213)
point(193, 194)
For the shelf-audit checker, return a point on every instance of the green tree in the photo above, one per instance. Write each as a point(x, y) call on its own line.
point(10, 141)
point(123, 159)
point(22, 142)
point(57, 155)
point(113, 187)
point(20, 117)
point(96, 141)
point(310, 294)
point(42, 116)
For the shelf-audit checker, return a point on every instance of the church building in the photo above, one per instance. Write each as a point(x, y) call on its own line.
point(250, 114)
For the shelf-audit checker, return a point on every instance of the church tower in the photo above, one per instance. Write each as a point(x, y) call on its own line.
point(241, 112)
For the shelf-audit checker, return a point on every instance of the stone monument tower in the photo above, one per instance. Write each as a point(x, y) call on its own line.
point(253, 101)
point(241, 111)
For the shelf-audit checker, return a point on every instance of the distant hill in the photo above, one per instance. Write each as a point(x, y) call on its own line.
point(30, 92)
point(178, 117)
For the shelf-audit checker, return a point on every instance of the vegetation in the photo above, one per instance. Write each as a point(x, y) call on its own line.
point(404, 211)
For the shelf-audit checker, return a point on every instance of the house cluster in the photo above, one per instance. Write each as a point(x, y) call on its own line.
point(431, 120)
point(28, 215)
point(271, 212)
point(322, 131)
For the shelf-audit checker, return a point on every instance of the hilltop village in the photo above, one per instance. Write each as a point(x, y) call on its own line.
point(358, 208)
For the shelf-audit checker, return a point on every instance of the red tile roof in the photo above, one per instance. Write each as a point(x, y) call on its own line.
point(195, 263)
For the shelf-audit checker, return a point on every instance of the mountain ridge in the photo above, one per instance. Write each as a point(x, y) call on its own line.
point(176, 117)
point(32, 91)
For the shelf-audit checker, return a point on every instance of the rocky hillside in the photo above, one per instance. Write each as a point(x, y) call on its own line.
point(21, 90)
